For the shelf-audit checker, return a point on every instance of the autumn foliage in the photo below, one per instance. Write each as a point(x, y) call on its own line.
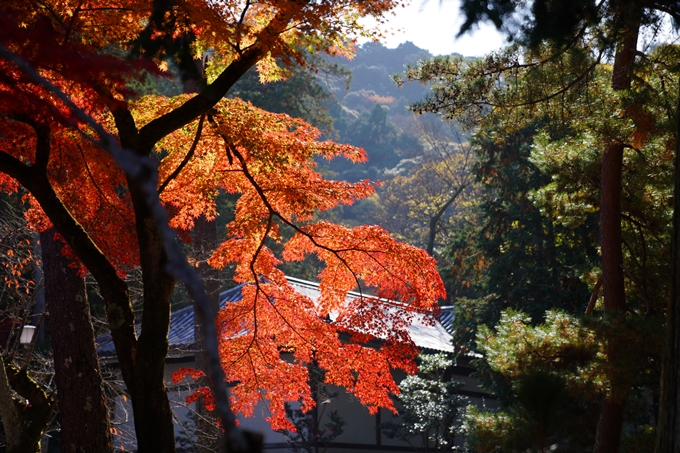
point(203, 145)
point(268, 159)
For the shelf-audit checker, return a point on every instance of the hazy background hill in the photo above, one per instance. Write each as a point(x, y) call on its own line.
point(373, 112)
point(357, 102)
point(372, 68)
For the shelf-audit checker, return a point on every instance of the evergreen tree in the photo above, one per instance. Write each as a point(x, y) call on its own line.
point(513, 255)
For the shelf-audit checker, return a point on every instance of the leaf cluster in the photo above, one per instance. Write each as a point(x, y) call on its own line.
point(552, 371)
point(269, 160)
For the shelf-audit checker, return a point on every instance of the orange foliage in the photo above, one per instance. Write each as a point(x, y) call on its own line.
point(645, 125)
point(268, 159)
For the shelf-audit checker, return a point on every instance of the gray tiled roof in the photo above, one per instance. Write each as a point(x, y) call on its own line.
point(446, 318)
point(181, 334)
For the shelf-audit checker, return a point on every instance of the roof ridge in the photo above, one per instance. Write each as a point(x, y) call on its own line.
point(181, 333)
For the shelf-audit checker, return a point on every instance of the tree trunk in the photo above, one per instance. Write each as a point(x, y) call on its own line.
point(610, 224)
point(82, 402)
point(205, 240)
point(151, 407)
point(609, 429)
point(668, 428)
point(608, 436)
point(24, 423)
point(432, 233)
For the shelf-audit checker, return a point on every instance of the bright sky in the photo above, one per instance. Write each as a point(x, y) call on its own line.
point(433, 24)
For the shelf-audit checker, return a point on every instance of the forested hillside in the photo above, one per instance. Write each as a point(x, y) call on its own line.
point(422, 165)
point(372, 69)
point(507, 193)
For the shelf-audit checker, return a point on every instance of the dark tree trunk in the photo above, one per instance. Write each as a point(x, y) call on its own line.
point(609, 429)
point(82, 402)
point(610, 224)
point(24, 423)
point(434, 221)
point(608, 436)
point(151, 407)
point(668, 429)
point(205, 240)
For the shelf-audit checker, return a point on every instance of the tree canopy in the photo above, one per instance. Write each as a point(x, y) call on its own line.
point(563, 81)
point(98, 164)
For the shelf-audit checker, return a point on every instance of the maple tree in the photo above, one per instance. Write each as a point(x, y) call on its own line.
point(58, 87)
point(279, 186)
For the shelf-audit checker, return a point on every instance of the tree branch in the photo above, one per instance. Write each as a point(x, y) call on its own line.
point(42, 132)
point(213, 93)
point(143, 170)
point(435, 219)
point(186, 159)
point(230, 148)
point(593, 297)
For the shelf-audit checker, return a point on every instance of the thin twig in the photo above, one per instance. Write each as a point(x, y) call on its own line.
point(186, 159)
point(243, 13)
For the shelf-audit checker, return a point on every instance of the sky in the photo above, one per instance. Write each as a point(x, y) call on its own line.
point(433, 24)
